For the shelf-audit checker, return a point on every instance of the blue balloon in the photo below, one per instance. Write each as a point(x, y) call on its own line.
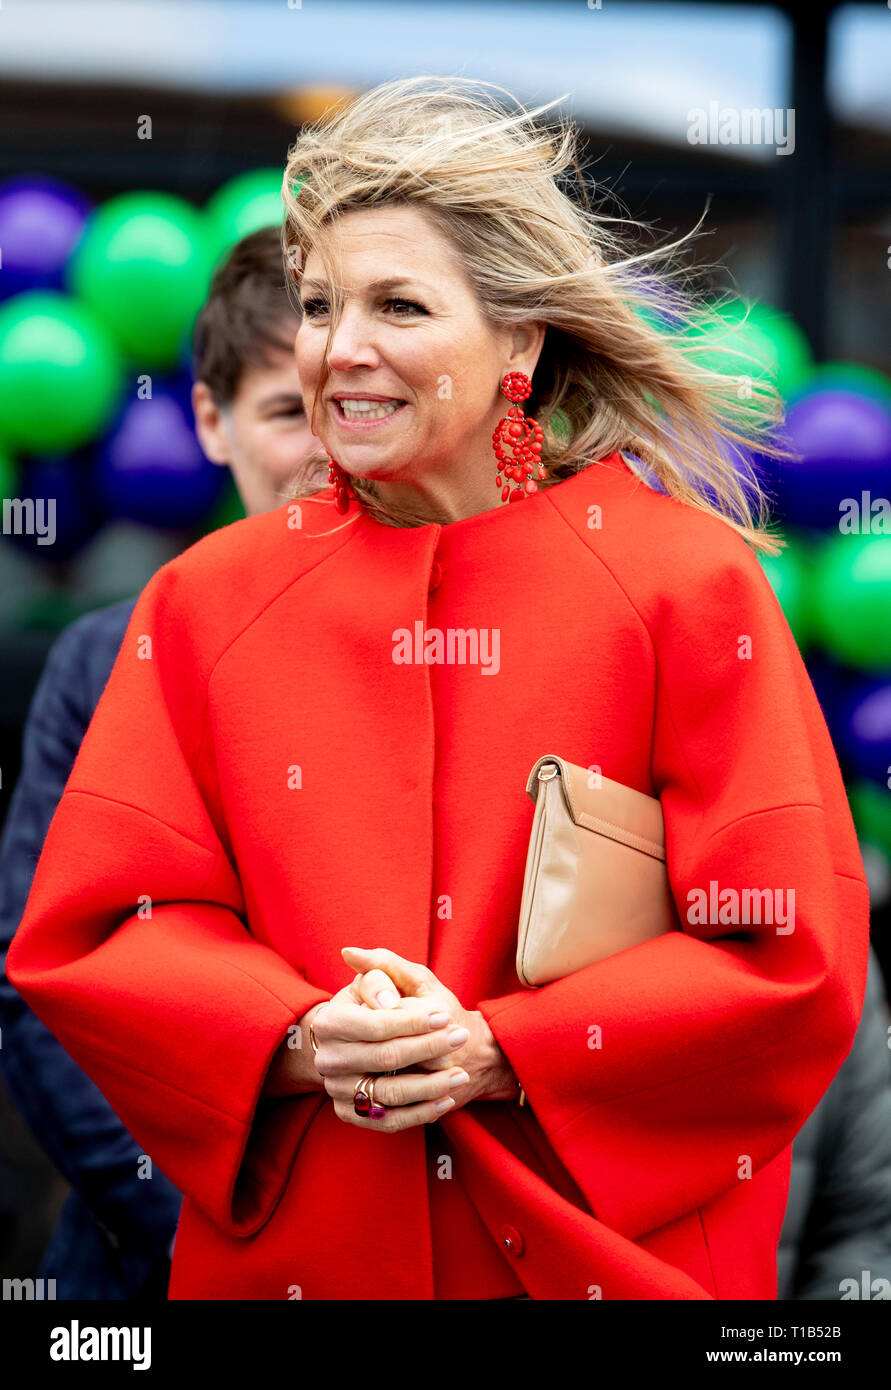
point(845, 442)
point(41, 220)
point(179, 385)
point(864, 730)
point(63, 514)
point(151, 468)
point(832, 683)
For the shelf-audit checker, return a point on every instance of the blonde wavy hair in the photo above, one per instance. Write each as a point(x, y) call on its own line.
point(619, 366)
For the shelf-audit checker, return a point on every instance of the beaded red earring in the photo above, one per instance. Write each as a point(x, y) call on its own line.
point(340, 482)
point(523, 436)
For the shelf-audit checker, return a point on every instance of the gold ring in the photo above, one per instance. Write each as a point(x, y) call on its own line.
point(377, 1111)
point(312, 1035)
point(363, 1100)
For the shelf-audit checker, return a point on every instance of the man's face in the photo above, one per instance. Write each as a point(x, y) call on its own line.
point(263, 435)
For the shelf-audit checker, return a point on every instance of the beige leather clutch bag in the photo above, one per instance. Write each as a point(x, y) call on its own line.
point(595, 881)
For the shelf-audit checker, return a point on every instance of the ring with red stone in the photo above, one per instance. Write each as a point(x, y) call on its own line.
point(377, 1111)
point(363, 1100)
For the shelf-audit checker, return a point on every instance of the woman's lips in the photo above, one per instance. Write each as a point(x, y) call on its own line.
point(366, 420)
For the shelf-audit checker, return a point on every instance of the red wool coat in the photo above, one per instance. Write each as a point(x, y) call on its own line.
point(272, 784)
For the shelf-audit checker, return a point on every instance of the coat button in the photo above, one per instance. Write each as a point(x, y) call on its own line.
point(511, 1241)
point(435, 577)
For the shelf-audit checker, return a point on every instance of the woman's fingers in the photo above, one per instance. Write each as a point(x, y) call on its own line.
point(376, 989)
point(340, 1057)
point(343, 1018)
point(407, 1088)
point(370, 1029)
point(401, 1115)
point(408, 975)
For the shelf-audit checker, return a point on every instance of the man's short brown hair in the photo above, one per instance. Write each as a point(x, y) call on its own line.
point(247, 315)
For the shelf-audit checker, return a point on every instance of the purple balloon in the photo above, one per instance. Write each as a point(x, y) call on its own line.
point(663, 302)
point(845, 442)
point(151, 468)
point(179, 385)
point(864, 729)
point(748, 466)
point(41, 220)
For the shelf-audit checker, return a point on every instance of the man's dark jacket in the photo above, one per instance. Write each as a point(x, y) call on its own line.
point(114, 1232)
point(113, 1235)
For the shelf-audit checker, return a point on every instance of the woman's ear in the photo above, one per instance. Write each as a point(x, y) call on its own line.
point(526, 342)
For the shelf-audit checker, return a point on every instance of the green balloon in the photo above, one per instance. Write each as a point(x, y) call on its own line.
point(8, 475)
point(228, 508)
point(143, 265)
point(244, 205)
point(651, 318)
point(845, 376)
point(852, 599)
point(48, 613)
point(767, 346)
point(788, 575)
point(871, 809)
point(60, 373)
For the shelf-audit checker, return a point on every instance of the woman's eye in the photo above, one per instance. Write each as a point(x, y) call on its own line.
point(410, 305)
point(402, 308)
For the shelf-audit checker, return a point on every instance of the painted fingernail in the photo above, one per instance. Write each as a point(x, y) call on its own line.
point(458, 1036)
point(458, 1079)
point(438, 1020)
point(387, 998)
point(445, 1104)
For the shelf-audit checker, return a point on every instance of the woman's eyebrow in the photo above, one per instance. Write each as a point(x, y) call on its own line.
point(398, 282)
point(394, 283)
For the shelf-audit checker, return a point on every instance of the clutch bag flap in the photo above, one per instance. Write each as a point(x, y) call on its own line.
point(596, 881)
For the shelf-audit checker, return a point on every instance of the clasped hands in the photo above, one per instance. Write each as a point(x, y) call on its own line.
point(396, 1016)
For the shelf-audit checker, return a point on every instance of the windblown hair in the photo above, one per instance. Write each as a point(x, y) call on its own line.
point(621, 366)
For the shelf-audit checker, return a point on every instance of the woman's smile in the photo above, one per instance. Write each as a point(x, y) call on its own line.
point(361, 411)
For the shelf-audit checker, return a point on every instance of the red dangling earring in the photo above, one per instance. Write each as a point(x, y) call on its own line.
point(523, 436)
point(340, 481)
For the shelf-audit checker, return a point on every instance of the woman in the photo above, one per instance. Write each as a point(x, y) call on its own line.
point(318, 734)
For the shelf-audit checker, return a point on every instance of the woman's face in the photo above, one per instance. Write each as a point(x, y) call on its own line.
point(413, 389)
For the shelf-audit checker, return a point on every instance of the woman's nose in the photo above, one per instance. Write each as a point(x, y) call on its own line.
point(351, 343)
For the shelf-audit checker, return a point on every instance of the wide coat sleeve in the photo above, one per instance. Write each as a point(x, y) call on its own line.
point(134, 948)
point(668, 1073)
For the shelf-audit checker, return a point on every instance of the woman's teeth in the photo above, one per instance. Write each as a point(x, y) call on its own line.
point(368, 410)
